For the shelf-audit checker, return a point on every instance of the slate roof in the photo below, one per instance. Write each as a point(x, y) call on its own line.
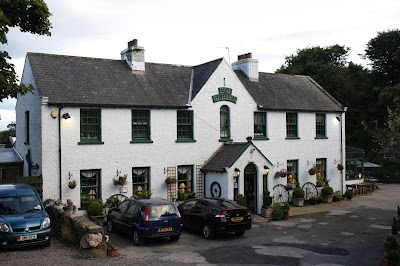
point(289, 92)
point(226, 156)
point(202, 73)
point(10, 155)
point(72, 80)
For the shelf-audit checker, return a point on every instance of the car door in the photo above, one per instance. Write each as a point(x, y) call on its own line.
point(116, 215)
point(184, 210)
point(128, 217)
point(198, 215)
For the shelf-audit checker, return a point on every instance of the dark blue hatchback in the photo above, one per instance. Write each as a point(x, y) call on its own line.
point(23, 219)
point(145, 218)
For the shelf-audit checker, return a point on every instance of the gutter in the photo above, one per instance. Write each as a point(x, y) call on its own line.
point(59, 150)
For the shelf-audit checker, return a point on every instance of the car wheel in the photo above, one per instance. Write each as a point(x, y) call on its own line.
point(240, 233)
point(110, 226)
point(174, 238)
point(137, 239)
point(208, 231)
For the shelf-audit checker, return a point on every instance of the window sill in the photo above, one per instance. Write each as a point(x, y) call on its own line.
point(260, 138)
point(90, 143)
point(184, 140)
point(225, 140)
point(138, 141)
point(288, 138)
point(321, 137)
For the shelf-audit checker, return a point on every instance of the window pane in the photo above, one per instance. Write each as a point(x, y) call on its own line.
point(184, 125)
point(259, 124)
point(90, 190)
point(140, 124)
point(320, 125)
point(90, 124)
point(185, 176)
point(291, 124)
point(292, 177)
point(140, 177)
point(224, 122)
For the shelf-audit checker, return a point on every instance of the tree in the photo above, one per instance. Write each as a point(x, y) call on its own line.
point(384, 53)
point(30, 16)
point(6, 133)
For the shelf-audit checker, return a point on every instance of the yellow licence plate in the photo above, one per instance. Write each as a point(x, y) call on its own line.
point(237, 219)
point(164, 229)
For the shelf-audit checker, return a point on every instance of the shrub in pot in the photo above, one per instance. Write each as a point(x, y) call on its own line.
point(298, 197)
point(392, 256)
point(348, 194)
point(277, 214)
point(327, 194)
point(95, 208)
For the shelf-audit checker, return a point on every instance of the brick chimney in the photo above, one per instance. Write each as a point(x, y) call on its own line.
point(247, 65)
point(134, 56)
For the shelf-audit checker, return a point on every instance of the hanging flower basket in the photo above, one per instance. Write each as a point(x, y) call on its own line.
point(312, 171)
point(72, 184)
point(170, 180)
point(340, 167)
point(120, 181)
point(283, 173)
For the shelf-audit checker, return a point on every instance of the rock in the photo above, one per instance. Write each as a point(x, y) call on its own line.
point(91, 240)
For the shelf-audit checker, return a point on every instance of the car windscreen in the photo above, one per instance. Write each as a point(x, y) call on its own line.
point(159, 211)
point(229, 204)
point(19, 204)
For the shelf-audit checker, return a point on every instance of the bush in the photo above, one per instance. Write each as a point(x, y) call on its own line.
point(95, 208)
point(277, 213)
point(391, 243)
point(327, 191)
point(395, 230)
point(241, 200)
point(348, 194)
point(392, 256)
point(298, 192)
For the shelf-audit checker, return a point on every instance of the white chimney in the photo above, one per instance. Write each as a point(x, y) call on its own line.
point(134, 56)
point(247, 65)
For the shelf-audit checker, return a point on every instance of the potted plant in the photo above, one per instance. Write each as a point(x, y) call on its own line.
point(312, 171)
point(95, 212)
point(327, 194)
point(120, 180)
point(267, 201)
point(72, 183)
point(298, 197)
point(285, 208)
point(337, 196)
point(340, 167)
point(348, 194)
point(277, 212)
point(390, 258)
point(240, 199)
point(112, 250)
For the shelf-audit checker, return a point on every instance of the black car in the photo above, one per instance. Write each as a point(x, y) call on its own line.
point(145, 218)
point(214, 215)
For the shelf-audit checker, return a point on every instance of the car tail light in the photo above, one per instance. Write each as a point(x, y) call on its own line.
point(146, 214)
point(221, 214)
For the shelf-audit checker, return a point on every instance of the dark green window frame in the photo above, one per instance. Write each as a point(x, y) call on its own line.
point(90, 186)
point(292, 173)
point(185, 176)
point(141, 126)
point(91, 126)
point(141, 177)
point(320, 126)
point(320, 166)
point(260, 125)
point(225, 123)
point(27, 133)
point(184, 130)
point(291, 126)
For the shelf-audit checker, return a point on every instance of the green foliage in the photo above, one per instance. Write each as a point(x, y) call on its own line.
point(68, 233)
point(336, 195)
point(5, 134)
point(241, 200)
point(267, 200)
point(348, 194)
point(95, 208)
point(298, 192)
point(395, 230)
point(111, 245)
point(391, 243)
point(144, 194)
point(327, 191)
point(185, 195)
point(392, 256)
point(283, 206)
point(30, 16)
point(277, 214)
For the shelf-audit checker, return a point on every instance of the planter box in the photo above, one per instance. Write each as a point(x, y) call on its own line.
point(327, 198)
point(299, 202)
point(266, 212)
point(112, 252)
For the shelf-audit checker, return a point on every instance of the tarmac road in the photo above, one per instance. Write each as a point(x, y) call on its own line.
point(342, 233)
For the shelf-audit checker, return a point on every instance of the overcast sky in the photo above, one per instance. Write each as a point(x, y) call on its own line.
point(193, 32)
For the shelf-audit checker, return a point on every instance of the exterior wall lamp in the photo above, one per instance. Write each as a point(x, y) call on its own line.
point(66, 116)
point(54, 113)
point(338, 118)
point(266, 170)
point(237, 171)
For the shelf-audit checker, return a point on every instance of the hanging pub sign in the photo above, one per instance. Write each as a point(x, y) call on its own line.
point(224, 94)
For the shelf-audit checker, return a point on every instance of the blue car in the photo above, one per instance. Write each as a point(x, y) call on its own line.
point(145, 218)
point(23, 218)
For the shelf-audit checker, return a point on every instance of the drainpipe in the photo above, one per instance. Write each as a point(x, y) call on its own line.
point(59, 150)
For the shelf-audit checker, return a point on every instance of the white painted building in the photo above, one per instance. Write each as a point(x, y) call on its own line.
point(209, 126)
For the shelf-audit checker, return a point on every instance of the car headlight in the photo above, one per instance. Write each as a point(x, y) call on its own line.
point(46, 223)
point(4, 228)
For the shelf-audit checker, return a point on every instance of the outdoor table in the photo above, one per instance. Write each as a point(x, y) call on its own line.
point(361, 188)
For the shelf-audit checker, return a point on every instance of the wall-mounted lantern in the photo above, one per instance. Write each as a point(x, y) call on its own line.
point(237, 172)
point(54, 113)
point(66, 116)
point(266, 170)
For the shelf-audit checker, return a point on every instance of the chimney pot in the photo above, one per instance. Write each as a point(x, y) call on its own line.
point(133, 43)
point(249, 55)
